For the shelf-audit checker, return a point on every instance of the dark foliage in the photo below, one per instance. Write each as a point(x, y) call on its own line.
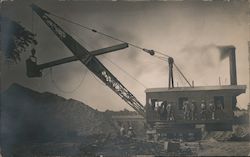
point(15, 39)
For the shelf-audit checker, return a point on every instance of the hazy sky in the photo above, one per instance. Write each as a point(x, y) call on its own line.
point(187, 31)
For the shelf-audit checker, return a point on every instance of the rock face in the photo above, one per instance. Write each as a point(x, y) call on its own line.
point(27, 115)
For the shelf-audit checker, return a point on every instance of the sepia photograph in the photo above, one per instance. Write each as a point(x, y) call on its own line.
point(124, 78)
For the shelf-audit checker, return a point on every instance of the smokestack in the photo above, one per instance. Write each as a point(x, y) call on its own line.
point(230, 52)
point(232, 62)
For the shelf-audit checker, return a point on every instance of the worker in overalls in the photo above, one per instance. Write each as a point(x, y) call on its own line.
point(203, 110)
point(170, 113)
point(159, 108)
point(212, 110)
point(151, 104)
point(131, 133)
point(186, 110)
point(122, 131)
point(193, 110)
point(164, 110)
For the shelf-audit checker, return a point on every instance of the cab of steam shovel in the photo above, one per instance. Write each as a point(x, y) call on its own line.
point(211, 106)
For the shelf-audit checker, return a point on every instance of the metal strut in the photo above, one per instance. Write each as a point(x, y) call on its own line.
point(171, 75)
point(88, 59)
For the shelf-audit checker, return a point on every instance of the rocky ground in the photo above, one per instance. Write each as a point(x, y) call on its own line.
point(226, 148)
point(128, 148)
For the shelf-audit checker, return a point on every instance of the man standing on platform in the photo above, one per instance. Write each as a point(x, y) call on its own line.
point(193, 110)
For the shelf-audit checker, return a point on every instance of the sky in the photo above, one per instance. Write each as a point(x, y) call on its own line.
point(189, 31)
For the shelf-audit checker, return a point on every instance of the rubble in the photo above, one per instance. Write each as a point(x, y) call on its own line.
point(239, 133)
point(128, 147)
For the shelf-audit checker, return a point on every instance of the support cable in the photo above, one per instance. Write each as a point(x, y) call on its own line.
point(182, 74)
point(180, 78)
point(151, 52)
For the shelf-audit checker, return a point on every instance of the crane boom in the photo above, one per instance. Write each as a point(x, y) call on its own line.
point(90, 61)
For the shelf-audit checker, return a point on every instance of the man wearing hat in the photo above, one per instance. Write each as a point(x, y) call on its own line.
point(203, 110)
point(186, 110)
point(193, 110)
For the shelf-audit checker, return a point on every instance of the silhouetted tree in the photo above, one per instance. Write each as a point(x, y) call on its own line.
point(15, 39)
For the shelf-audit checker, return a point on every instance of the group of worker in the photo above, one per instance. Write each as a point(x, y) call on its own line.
point(207, 111)
point(130, 133)
point(210, 111)
point(165, 111)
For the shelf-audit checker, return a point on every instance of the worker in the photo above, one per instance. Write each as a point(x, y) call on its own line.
point(193, 110)
point(186, 110)
point(203, 110)
point(164, 110)
point(212, 110)
point(131, 133)
point(151, 104)
point(122, 131)
point(159, 108)
point(170, 113)
point(161, 111)
point(219, 105)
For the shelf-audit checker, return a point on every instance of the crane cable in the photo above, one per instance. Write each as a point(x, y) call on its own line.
point(62, 90)
point(151, 52)
point(111, 37)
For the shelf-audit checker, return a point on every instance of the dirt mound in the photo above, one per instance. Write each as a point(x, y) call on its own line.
point(28, 115)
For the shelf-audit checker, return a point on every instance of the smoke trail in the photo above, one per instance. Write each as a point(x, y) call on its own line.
point(208, 51)
point(224, 51)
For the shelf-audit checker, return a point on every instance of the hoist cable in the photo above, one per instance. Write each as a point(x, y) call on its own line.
point(98, 80)
point(32, 26)
point(64, 91)
point(32, 21)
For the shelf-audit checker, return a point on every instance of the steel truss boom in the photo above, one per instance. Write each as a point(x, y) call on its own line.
point(90, 61)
